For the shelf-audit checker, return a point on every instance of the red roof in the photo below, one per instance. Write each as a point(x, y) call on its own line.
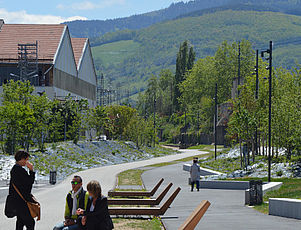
point(78, 48)
point(48, 37)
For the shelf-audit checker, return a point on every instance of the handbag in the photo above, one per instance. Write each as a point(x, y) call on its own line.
point(34, 207)
point(10, 210)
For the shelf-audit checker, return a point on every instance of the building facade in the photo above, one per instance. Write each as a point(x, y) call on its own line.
point(59, 65)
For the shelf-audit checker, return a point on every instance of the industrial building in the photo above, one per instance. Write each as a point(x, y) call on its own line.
point(49, 58)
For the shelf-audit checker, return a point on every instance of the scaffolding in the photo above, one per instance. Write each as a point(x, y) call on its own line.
point(28, 62)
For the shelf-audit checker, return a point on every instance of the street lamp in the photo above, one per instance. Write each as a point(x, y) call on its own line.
point(269, 51)
point(155, 120)
point(215, 121)
point(256, 97)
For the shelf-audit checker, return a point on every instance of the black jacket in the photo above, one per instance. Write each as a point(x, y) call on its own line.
point(99, 218)
point(23, 181)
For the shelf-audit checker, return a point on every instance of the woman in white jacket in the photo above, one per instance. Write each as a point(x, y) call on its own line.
point(195, 173)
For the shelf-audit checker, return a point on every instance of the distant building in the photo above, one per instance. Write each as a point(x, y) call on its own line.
point(60, 64)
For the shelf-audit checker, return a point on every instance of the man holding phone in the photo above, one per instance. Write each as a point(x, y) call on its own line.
point(76, 198)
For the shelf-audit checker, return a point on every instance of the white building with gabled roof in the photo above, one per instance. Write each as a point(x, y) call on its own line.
point(65, 64)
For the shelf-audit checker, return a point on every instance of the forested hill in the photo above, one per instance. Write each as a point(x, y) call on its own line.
point(95, 28)
point(132, 61)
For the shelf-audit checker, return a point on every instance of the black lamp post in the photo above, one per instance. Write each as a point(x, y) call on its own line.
point(238, 72)
point(269, 51)
point(256, 97)
point(215, 121)
point(155, 119)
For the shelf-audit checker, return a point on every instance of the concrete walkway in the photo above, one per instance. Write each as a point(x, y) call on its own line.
point(52, 198)
point(227, 210)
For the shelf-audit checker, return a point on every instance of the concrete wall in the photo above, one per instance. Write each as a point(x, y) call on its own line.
point(53, 92)
point(234, 185)
point(74, 85)
point(285, 207)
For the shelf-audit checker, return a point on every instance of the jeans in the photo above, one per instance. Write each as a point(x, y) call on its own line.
point(197, 185)
point(61, 226)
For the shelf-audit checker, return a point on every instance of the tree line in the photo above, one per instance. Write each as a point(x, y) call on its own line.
point(187, 105)
point(32, 120)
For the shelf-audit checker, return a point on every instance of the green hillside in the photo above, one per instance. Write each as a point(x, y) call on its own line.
point(115, 52)
point(154, 48)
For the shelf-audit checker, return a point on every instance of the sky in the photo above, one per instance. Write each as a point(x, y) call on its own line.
point(54, 11)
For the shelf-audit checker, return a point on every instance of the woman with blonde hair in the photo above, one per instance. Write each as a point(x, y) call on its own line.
point(97, 214)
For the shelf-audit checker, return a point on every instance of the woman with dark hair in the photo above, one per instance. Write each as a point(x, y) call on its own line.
point(23, 182)
point(97, 216)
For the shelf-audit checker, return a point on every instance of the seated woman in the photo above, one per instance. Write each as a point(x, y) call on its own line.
point(97, 214)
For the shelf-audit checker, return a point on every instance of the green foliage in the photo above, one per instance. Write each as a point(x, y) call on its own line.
point(157, 45)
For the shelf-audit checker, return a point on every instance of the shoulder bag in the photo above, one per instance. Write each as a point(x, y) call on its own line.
point(10, 207)
point(34, 207)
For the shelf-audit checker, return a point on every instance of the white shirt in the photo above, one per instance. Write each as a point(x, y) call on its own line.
point(92, 208)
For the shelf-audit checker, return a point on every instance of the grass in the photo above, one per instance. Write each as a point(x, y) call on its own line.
point(137, 224)
point(205, 147)
point(133, 177)
point(291, 188)
point(114, 52)
point(130, 177)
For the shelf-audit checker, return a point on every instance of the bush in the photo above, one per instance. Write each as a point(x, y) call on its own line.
point(279, 173)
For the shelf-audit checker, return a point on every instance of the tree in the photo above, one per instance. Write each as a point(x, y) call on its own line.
point(97, 119)
point(16, 115)
point(184, 63)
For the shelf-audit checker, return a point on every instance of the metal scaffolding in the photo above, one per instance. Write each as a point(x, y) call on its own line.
point(28, 62)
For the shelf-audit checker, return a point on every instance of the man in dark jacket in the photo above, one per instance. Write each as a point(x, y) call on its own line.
point(23, 182)
point(76, 198)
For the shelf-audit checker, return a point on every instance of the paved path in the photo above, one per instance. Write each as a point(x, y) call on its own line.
point(227, 210)
point(52, 198)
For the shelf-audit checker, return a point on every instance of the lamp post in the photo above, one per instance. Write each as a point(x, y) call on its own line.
point(215, 121)
point(256, 97)
point(269, 51)
point(154, 119)
point(238, 72)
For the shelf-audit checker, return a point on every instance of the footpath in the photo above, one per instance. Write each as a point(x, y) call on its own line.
point(227, 209)
point(52, 198)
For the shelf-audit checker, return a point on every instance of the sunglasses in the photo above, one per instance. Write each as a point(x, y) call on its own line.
point(74, 182)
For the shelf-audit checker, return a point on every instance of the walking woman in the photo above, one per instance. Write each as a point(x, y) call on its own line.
point(97, 216)
point(23, 182)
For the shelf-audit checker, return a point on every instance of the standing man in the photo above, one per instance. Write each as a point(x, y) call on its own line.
point(76, 198)
point(195, 173)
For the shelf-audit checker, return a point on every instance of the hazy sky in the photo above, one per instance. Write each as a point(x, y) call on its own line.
point(54, 11)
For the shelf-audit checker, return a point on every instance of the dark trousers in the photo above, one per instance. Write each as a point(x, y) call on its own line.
point(197, 185)
point(24, 218)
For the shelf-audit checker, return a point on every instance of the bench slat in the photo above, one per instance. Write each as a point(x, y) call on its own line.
point(194, 218)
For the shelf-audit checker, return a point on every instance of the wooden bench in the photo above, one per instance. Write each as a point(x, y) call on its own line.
point(151, 202)
point(194, 218)
point(135, 193)
point(138, 211)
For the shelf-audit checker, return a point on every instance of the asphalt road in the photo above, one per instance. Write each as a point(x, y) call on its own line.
point(52, 198)
point(227, 210)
